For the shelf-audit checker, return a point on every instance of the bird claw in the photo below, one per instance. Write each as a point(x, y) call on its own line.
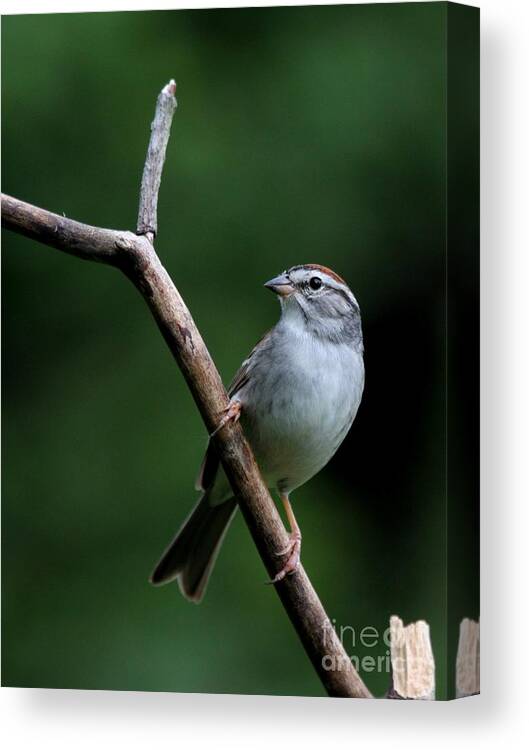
point(294, 556)
point(232, 413)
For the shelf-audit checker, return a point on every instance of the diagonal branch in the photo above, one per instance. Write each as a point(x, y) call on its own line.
point(136, 257)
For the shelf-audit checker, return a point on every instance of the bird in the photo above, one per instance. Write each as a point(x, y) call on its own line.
point(296, 395)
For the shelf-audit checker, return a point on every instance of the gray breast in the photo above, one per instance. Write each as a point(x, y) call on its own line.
point(298, 409)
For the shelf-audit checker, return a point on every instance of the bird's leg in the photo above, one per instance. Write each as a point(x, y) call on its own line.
point(231, 413)
point(293, 550)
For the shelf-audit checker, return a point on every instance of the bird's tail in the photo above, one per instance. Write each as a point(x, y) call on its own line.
point(192, 553)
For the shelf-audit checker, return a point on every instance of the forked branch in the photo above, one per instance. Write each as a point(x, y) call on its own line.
point(134, 254)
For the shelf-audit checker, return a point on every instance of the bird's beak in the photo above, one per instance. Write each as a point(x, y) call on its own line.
point(280, 285)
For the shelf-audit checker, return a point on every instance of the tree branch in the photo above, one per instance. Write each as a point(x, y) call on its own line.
point(152, 171)
point(136, 257)
point(82, 240)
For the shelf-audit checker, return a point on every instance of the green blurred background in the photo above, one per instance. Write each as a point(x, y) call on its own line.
point(302, 135)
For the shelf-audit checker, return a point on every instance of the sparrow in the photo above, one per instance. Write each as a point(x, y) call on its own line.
point(297, 395)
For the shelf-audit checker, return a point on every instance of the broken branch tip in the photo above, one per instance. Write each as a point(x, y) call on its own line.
point(170, 88)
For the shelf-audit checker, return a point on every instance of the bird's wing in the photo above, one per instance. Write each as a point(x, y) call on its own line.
point(210, 463)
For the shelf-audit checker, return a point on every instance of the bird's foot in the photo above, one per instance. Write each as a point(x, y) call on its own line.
point(293, 550)
point(232, 413)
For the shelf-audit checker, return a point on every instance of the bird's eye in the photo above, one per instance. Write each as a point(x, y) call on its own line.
point(315, 282)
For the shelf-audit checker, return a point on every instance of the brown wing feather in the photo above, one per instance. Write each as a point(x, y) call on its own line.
point(210, 463)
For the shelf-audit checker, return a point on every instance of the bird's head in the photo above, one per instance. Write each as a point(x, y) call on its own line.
point(319, 301)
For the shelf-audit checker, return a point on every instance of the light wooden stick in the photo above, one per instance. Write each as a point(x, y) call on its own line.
point(467, 660)
point(412, 662)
